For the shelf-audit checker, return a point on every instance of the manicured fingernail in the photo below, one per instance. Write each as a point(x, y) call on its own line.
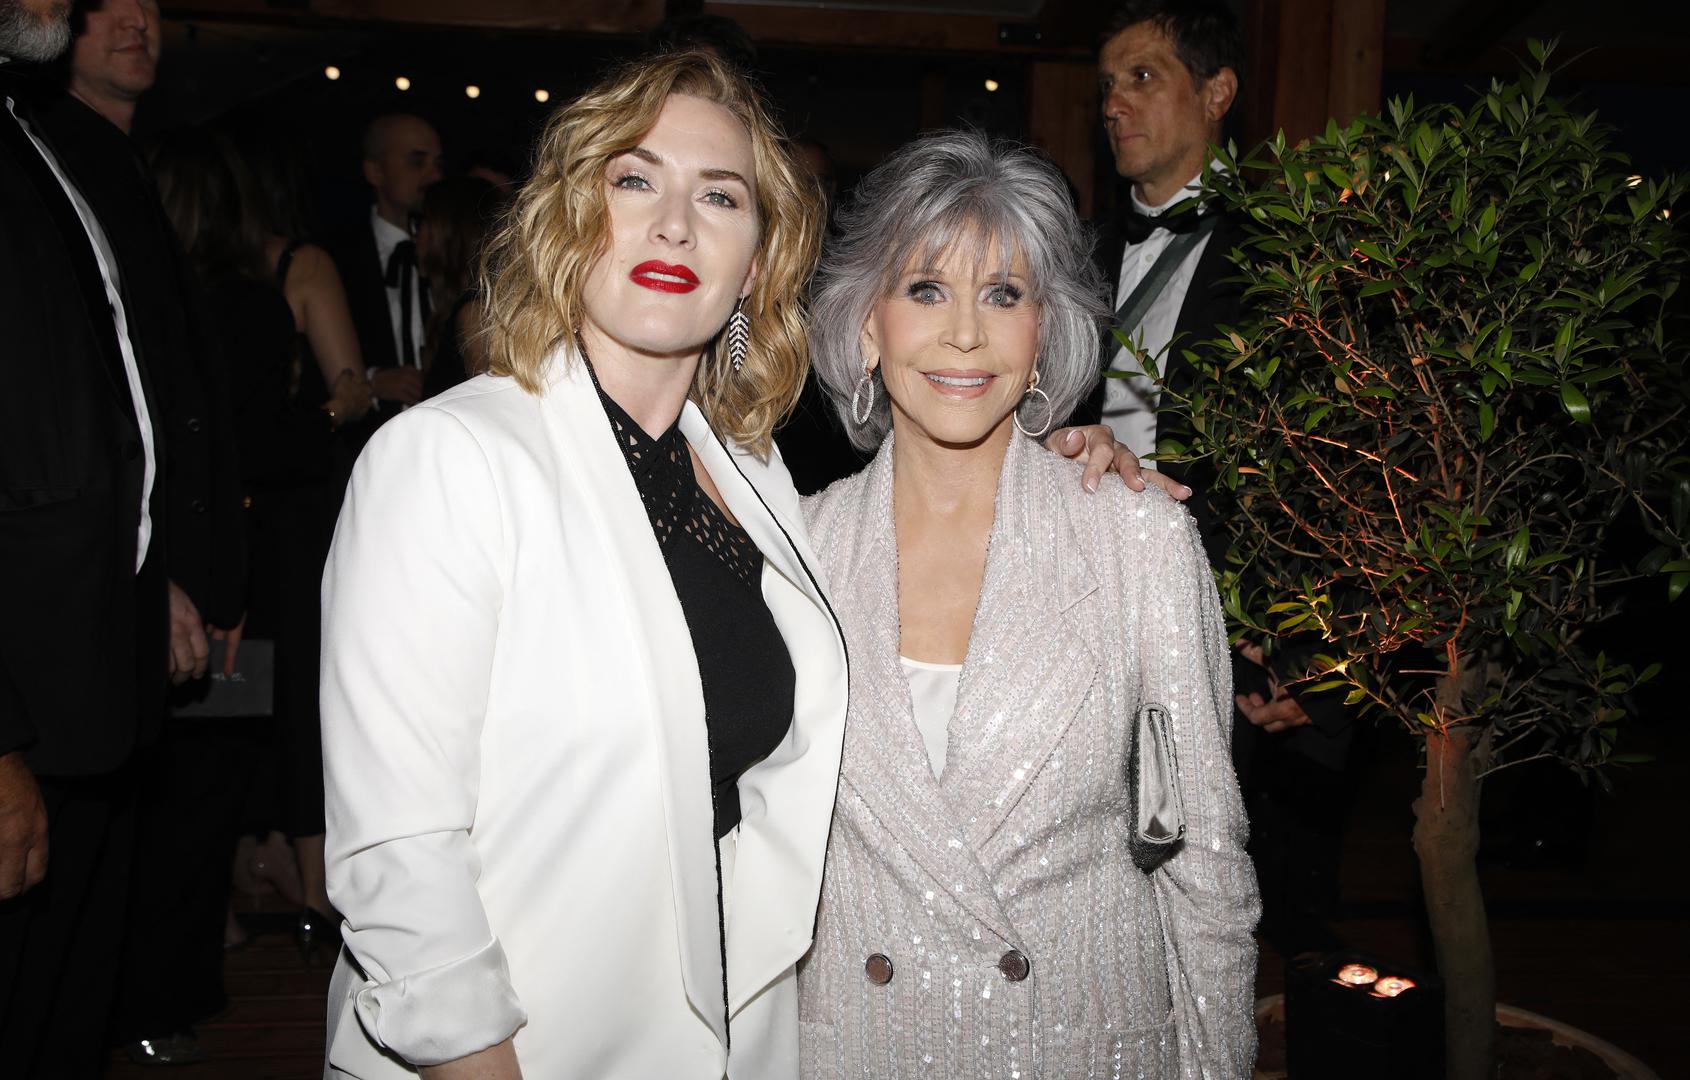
point(1091, 485)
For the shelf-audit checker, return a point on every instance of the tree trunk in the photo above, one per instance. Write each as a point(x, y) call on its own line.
point(1446, 839)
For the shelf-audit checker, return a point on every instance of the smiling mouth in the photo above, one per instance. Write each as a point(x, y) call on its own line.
point(960, 380)
point(663, 277)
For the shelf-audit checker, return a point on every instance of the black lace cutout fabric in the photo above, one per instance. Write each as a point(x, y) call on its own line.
point(662, 471)
point(744, 667)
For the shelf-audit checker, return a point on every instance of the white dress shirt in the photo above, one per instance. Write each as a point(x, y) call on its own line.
point(107, 261)
point(389, 236)
point(1129, 405)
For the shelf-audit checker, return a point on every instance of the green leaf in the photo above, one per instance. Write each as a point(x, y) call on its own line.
point(1519, 546)
point(1374, 288)
point(1487, 220)
point(1336, 175)
point(1487, 420)
point(1355, 696)
point(1373, 251)
point(1576, 404)
point(1676, 584)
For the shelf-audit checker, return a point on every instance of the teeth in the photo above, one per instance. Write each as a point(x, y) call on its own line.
point(671, 278)
point(952, 380)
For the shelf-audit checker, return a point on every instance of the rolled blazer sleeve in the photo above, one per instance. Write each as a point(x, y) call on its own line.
point(1207, 889)
point(411, 599)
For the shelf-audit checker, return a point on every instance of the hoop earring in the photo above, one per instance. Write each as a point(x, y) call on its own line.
point(1050, 410)
point(862, 417)
point(739, 335)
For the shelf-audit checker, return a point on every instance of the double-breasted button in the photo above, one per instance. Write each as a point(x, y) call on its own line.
point(194, 424)
point(197, 505)
point(878, 968)
point(1014, 965)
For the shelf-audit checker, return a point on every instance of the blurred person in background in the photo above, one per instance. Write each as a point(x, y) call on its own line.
point(456, 216)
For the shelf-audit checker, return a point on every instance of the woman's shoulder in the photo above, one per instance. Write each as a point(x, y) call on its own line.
point(1113, 522)
point(835, 505)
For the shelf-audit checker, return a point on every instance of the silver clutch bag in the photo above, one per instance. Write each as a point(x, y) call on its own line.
point(1153, 794)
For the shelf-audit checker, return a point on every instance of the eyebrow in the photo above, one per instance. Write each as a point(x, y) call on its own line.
point(651, 158)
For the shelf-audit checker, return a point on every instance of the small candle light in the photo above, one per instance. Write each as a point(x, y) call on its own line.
point(472, 91)
point(402, 83)
point(1356, 975)
point(1392, 985)
point(542, 96)
point(991, 86)
point(331, 73)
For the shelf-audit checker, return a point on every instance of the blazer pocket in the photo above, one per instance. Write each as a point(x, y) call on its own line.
point(13, 499)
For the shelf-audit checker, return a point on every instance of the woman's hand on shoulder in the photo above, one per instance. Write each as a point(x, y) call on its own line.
point(1096, 445)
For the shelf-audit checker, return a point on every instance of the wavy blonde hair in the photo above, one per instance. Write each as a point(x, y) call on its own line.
point(559, 225)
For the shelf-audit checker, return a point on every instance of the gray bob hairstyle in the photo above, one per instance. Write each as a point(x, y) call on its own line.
point(942, 191)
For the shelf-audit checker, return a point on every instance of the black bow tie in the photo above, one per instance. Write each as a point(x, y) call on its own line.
point(1137, 226)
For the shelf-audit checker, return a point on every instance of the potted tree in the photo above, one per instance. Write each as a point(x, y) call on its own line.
point(1458, 379)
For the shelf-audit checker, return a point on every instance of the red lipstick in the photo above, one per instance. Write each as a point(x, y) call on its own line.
point(664, 278)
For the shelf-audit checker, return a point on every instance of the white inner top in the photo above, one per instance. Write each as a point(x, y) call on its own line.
point(1129, 405)
point(933, 690)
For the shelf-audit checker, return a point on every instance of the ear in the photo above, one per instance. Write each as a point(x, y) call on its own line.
point(372, 173)
point(870, 347)
point(1218, 93)
point(751, 273)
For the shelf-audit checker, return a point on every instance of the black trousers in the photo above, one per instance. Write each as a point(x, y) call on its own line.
point(192, 790)
point(59, 942)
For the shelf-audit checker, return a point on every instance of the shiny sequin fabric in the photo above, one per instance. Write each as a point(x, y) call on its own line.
point(1090, 605)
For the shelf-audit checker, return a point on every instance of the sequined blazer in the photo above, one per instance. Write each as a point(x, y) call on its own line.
point(991, 923)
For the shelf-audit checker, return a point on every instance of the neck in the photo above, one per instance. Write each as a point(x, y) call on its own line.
point(1155, 191)
point(118, 109)
point(933, 480)
point(652, 389)
point(393, 215)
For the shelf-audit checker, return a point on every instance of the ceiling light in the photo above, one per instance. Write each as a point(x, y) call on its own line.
point(402, 83)
point(331, 73)
point(542, 96)
point(472, 91)
point(991, 85)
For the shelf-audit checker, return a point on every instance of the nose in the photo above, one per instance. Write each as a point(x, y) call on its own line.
point(964, 332)
point(132, 13)
point(1114, 104)
point(672, 221)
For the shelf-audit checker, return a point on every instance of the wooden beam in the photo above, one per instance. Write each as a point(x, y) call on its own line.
point(579, 16)
point(768, 24)
point(1358, 59)
point(1063, 121)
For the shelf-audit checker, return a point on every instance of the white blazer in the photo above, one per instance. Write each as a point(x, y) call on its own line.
point(519, 814)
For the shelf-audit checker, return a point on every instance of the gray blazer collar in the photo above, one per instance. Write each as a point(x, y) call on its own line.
point(1027, 670)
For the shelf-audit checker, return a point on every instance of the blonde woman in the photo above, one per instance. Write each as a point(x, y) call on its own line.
point(583, 694)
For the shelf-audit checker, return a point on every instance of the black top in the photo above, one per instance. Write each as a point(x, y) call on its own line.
point(743, 662)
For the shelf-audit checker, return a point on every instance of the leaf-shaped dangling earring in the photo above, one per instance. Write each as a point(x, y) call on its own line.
point(739, 335)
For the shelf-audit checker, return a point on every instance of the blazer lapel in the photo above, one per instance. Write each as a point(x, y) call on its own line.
point(786, 800)
point(1029, 667)
point(885, 764)
point(662, 667)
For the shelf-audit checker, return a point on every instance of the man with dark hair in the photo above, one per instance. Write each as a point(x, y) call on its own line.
point(114, 56)
point(1168, 71)
point(377, 258)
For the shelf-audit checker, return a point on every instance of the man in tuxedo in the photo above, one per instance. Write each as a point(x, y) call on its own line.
point(1168, 70)
point(377, 259)
point(96, 385)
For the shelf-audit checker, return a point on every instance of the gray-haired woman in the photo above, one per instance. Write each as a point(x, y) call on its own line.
point(1037, 862)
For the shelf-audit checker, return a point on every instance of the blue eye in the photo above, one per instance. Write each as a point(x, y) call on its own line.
point(1005, 296)
point(631, 181)
point(925, 292)
point(718, 197)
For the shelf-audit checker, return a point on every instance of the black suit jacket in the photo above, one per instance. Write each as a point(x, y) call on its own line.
point(82, 638)
point(170, 326)
point(354, 254)
point(1214, 300)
